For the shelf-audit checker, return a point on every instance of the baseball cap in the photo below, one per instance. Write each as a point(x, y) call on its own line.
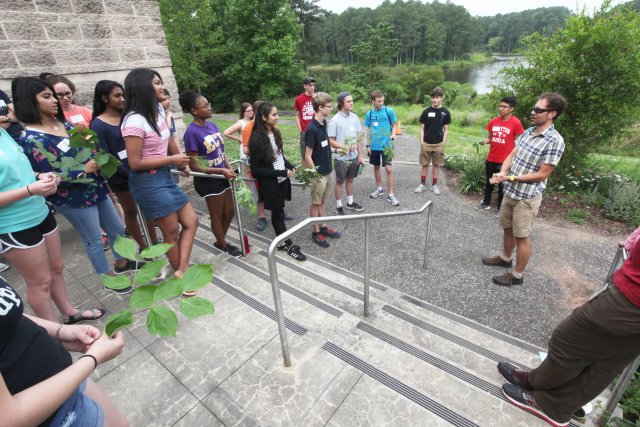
point(309, 80)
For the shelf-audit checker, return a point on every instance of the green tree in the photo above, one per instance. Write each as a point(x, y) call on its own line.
point(595, 63)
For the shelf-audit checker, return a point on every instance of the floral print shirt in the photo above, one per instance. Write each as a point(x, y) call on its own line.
point(69, 194)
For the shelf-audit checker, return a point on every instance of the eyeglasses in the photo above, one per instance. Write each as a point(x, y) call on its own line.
point(64, 94)
point(502, 107)
point(538, 110)
point(206, 106)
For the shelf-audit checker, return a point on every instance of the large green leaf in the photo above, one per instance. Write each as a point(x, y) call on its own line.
point(142, 297)
point(155, 250)
point(83, 155)
point(101, 158)
point(162, 321)
point(108, 169)
point(115, 282)
point(67, 162)
point(170, 288)
point(197, 276)
point(149, 271)
point(83, 181)
point(196, 307)
point(118, 321)
point(126, 247)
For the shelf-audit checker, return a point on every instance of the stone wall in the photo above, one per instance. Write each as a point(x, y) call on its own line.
point(85, 40)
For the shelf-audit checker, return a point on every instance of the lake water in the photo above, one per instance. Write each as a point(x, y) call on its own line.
point(480, 76)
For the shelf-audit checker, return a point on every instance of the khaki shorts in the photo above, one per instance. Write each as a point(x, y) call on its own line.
point(321, 189)
point(519, 215)
point(431, 153)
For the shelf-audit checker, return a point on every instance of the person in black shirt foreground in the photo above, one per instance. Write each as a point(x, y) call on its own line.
point(38, 383)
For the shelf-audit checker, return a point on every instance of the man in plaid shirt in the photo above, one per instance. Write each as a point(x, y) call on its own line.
point(524, 174)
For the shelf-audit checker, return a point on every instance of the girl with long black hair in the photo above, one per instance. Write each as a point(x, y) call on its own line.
point(145, 130)
point(108, 104)
point(272, 170)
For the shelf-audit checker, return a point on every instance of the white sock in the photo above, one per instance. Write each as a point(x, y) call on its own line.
point(338, 203)
point(379, 188)
point(517, 275)
point(505, 258)
point(349, 200)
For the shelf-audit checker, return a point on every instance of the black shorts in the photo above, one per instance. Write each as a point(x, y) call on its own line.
point(210, 186)
point(119, 185)
point(29, 238)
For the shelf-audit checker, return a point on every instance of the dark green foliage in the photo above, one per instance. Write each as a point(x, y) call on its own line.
point(595, 63)
point(623, 202)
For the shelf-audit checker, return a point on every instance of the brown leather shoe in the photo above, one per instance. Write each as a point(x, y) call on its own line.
point(507, 279)
point(496, 261)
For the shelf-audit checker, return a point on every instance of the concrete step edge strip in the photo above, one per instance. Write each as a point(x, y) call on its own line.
point(399, 387)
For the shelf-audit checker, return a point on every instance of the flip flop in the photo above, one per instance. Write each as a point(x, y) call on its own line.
point(96, 313)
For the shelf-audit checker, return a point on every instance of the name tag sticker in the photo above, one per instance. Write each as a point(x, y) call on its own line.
point(77, 118)
point(375, 124)
point(324, 143)
point(431, 114)
point(122, 154)
point(63, 145)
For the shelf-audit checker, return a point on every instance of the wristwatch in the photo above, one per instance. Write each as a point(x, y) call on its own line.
point(512, 178)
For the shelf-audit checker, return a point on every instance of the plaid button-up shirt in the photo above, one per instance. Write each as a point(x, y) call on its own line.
point(531, 152)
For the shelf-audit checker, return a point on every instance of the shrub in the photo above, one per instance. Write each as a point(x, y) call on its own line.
point(623, 202)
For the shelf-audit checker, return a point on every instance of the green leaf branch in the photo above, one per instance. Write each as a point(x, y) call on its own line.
point(307, 175)
point(244, 197)
point(151, 296)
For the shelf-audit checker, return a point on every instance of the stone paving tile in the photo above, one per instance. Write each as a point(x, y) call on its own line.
point(199, 416)
point(264, 392)
point(147, 392)
point(371, 403)
point(209, 349)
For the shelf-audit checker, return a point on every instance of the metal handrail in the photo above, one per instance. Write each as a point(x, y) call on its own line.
point(273, 272)
point(627, 375)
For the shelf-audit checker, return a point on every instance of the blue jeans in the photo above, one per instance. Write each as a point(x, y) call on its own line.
point(88, 222)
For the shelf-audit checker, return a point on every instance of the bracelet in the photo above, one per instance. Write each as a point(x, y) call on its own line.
point(512, 178)
point(95, 361)
point(29, 191)
point(58, 333)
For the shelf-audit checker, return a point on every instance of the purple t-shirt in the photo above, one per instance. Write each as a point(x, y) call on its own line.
point(207, 141)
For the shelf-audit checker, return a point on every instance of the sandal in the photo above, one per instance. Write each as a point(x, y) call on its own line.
point(96, 313)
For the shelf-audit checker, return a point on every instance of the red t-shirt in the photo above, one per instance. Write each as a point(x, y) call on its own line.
point(627, 278)
point(503, 136)
point(304, 105)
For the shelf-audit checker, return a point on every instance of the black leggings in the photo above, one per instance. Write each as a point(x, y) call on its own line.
point(490, 169)
point(277, 220)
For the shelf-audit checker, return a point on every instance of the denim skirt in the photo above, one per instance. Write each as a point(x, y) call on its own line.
point(156, 193)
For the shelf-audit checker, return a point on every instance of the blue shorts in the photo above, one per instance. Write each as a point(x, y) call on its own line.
point(377, 157)
point(156, 192)
point(79, 411)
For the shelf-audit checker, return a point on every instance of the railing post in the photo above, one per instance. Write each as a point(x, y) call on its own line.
point(428, 234)
point(143, 226)
point(277, 302)
point(367, 258)
point(618, 391)
point(236, 208)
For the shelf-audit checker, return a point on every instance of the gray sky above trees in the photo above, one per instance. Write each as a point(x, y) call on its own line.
point(478, 7)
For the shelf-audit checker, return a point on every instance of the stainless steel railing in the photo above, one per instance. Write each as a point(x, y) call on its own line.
point(367, 218)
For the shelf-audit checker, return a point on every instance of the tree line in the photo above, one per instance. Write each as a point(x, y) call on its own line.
point(423, 33)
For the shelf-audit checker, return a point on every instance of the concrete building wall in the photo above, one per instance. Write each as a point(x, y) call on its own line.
point(85, 40)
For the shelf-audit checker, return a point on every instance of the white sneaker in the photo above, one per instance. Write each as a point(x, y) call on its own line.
point(392, 199)
point(377, 193)
point(420, 188)
point(435, 189)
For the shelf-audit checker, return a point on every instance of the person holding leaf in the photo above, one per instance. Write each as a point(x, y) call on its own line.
point(29, 234)
point(273, 171)
point(204, 144)
point(146, 135)
point(39, 382)
point(82, 194)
